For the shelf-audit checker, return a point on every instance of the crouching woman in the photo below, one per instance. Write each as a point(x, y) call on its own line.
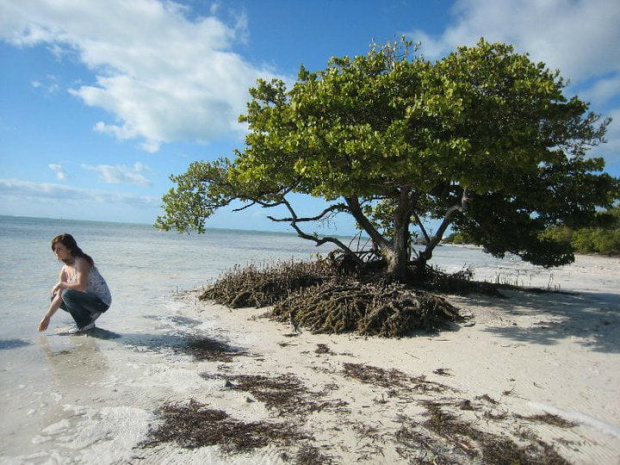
point(81, 290)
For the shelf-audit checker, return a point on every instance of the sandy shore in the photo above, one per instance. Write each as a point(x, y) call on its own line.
point(533, 370)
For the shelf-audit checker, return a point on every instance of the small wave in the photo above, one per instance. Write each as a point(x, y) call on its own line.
point(580, 417)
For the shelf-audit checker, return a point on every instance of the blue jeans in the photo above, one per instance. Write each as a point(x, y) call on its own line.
point(82, 306)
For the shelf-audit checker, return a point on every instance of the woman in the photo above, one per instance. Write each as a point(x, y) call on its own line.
point(81, 290)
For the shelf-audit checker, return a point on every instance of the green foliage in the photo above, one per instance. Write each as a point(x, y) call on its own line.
point(483, 140)
point(602, 238)
point(458, 239)
point(598, 240)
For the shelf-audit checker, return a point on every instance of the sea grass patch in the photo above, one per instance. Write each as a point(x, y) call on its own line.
point(445, 434)
point(465, 440)
point(390, 379)
point(284, 394)
point(550, 419)
point(310, 455)
point(192, 425)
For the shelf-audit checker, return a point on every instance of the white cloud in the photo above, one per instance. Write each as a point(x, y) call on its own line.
point(121, 174)
point(161, 75)
point(61, 201)
point(578, 37)
point(61, 175)
point(603, 90)
point(50, 87)
point(53, 193)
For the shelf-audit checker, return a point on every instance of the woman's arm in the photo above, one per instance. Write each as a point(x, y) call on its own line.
point(56, 302)
point(81, 267)
point(55, 305)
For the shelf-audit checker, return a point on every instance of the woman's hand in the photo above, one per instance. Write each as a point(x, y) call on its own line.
point(45, 322)
point(57, 288)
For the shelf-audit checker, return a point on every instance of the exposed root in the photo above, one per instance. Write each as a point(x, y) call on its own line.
point(253, 286)
point(323, 296)
point(370, 310)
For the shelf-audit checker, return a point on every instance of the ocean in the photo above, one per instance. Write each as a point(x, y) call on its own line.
point(43, 374)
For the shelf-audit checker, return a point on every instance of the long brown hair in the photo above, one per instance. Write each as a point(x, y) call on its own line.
point(71, 244)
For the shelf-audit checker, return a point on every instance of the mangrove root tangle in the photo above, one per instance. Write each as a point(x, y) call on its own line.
point(370, 310)
point(253, 286)
point(323, 297)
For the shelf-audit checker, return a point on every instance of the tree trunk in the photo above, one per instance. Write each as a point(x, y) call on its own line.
point(399, 256)
point(396, 251)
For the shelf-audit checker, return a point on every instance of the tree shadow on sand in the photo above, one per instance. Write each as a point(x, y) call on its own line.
point(593, 319)
point(13, 343)
point(200, 347)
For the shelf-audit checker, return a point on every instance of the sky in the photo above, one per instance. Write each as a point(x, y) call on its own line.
point(102, 100)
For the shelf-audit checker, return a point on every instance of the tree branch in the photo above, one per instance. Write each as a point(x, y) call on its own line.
point(431, 243)
point(328, 210)
point(365, 224)
point(294, 220)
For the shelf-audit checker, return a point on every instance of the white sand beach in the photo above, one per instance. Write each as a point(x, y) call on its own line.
point(535, 368)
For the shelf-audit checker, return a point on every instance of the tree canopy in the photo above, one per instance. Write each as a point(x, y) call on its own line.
point(482, 141)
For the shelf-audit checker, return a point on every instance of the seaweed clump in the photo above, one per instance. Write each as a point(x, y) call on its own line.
point(285, 394)
point(466, 440)
point(389, 379)
point(445, 437)
point(204, 348)
point(193, 425)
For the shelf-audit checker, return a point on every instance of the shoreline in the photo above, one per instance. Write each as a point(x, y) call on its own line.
point(532, 368)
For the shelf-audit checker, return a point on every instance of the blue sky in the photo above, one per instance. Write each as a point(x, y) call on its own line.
point(101, 100)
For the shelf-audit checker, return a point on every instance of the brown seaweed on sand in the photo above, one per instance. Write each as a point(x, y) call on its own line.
point(205, 348)
point(194, 425)
point(550, 419)
point(390, 379)
point(444, 437)
point(445, 434)
point(285, 393)
point(464, 439)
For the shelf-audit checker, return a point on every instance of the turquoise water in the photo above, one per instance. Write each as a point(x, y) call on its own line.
point(41, 374)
